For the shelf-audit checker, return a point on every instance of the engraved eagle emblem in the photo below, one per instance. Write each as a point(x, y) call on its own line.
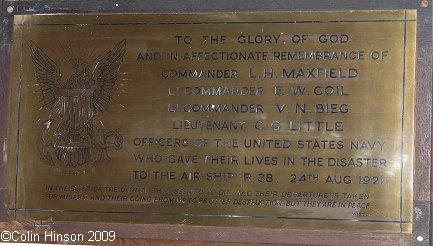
point(70, 136)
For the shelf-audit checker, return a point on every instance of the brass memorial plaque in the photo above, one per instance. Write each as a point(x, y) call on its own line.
point(272, 119)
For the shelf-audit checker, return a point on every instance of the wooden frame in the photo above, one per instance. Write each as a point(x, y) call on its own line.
point(423, 198)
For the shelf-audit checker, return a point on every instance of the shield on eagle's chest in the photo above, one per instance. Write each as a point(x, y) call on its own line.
point(76, 130)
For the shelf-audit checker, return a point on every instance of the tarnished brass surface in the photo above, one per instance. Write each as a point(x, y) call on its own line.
point(274, 119)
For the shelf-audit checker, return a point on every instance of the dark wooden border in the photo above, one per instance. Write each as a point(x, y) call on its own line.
point(423, 198)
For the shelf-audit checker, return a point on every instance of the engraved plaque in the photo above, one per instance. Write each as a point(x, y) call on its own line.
point(274, 119)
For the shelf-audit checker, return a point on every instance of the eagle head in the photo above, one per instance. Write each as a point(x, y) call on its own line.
point(79, 65)
point(82, 78)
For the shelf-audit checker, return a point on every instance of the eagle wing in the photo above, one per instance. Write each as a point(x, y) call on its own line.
point(48, 76)
point(106, 79)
